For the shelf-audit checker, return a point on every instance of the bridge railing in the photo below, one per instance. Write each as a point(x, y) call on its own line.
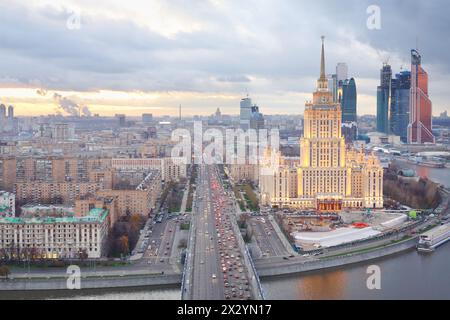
point(252, 273)
point(188, 261)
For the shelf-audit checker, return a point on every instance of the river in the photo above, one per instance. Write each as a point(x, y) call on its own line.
point(409, 275)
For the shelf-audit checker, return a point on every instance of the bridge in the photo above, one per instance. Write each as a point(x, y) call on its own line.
point(218, 265)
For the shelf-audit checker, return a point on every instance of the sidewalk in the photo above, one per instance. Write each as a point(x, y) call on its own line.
point(185, 197)
point(281, 235)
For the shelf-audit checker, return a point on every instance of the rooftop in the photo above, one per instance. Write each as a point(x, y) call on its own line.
point(94, 216)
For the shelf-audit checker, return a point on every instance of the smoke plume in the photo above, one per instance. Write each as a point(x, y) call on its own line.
point(67, 105)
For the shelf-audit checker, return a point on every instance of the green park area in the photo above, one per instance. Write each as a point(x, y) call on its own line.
point(246, 197)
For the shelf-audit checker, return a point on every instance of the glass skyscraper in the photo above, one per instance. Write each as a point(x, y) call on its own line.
point(399, 108)
point(383, 97)
point(347, 99)
point(420, 107)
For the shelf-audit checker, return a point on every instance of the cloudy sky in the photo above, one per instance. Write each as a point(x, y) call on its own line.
point(150, 56)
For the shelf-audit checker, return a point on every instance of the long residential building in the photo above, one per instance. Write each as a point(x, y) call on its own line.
point(172, 168)
point(141, 201)
point(82, 169)
point(62, 237)
point(49, 169)
point(59, 192)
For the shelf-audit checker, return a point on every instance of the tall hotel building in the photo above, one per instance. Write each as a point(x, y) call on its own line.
point(420, 113)
point(328, 178)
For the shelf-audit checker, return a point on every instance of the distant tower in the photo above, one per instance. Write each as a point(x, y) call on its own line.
point(245, 113)
point(420, 107)
point(2, 112)
point(399, 108)
point(348, 101)
point(11, 112)
point(341, 71)
point(383, 96)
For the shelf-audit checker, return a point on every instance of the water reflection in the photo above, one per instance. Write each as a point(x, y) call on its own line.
point(328, 286)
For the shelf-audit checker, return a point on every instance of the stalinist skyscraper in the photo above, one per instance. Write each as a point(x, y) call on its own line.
point(328, 177)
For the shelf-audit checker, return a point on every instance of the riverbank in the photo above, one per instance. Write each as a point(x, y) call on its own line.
point(367, 255)
point(291, 267)
point(132, 279)
point(91, 282)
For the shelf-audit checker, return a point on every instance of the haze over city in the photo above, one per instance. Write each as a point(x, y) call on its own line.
point(152, 56)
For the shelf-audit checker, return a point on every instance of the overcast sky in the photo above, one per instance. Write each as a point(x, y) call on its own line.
point(150, 56)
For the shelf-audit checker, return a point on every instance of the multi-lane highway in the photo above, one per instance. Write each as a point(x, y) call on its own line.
point(266, 238)
point(217, 269)
point(207, 281)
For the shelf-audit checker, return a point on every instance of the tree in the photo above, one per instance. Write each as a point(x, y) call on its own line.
point(83, 255)
point(135, 222)
point(124, 245)
point(4, 272)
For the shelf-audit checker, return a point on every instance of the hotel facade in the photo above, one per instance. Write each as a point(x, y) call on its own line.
point(62, 237)
point(329, 177)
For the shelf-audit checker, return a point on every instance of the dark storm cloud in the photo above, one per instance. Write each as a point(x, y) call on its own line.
point(276, 40)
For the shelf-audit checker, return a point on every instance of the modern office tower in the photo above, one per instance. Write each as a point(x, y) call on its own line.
point(2, 118)
point(250, 117)
point(420, 108)
point(333, 85)
point(7, 121)
point(341, 71)
point(349, 131)
point(348, 100)
point(245, 112)
point(327, 178)
point(2, 112)
point(399, 108)
point(10, 113)
point(383, 96)
point(337, 80)
point(347, 97)
point(257, 119)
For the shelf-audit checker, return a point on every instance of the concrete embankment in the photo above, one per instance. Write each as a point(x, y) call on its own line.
point(60, 283)
point(266, 271)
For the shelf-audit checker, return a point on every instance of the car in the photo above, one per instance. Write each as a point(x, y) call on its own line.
point(214, 276)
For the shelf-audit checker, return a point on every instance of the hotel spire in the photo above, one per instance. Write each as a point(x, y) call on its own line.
point(322, 60)
point(322, 83)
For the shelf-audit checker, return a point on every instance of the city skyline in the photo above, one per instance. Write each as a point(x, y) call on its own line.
point(153, 66)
